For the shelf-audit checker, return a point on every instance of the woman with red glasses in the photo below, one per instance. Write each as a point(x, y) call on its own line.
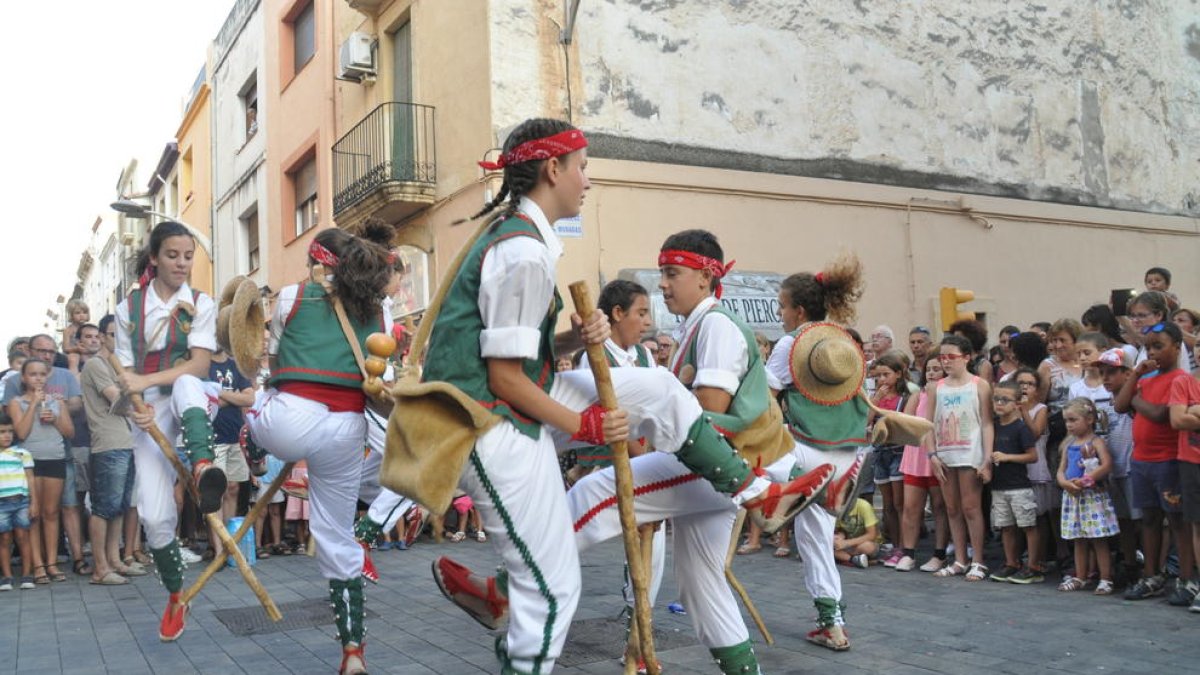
point(962, 456)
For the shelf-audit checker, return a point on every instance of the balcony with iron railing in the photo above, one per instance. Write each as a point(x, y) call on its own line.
point(386, 166)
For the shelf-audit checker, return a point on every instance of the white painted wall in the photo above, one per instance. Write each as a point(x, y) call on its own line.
point(1089, 102)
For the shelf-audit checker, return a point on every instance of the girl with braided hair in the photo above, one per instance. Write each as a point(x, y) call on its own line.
point(313, 406)
point(825, 431)
point(493, 339)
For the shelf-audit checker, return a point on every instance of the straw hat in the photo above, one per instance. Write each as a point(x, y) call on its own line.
point(827, 366)
point(240, 324)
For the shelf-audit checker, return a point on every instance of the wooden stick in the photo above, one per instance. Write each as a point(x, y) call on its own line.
point(737, 585)
point(624, 480)
point(219, 561)
point(185, 477)
point(633, 647)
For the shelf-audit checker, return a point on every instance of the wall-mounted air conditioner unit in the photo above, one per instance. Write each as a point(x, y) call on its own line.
point(357, 58)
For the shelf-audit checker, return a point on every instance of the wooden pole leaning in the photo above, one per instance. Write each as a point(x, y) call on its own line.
point(218, 562)
point(624, 483)
point(633, 647)
point(737, 585)
point(185, 478)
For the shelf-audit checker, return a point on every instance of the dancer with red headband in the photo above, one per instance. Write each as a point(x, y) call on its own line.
point(494, 340)
point(313, 407)
point(166, 334)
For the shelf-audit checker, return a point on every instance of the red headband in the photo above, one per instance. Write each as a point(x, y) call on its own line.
point(147, 276)
point(322, 255)
point(697, 262)
point(540, 148)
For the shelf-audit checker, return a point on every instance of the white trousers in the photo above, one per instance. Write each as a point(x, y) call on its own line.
point(515, 482)
point(294, 428)
point(386, 507)
point(702, 522)
point(814, 526)
point(156, 476)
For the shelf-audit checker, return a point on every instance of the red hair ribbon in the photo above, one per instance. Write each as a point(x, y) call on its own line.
point(697, 262)
point(147, 276)
point(540, 148)
point(322, 255)
point(819, 277)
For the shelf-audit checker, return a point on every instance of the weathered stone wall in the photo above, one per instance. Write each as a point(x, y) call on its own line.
point(1091, 102)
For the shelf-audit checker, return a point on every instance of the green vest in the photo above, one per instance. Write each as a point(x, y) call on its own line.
point(825, 427)
point(751, 399)
point(454, 354)
point(179, 326)
point(313, 347)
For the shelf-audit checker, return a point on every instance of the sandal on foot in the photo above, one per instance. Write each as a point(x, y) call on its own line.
point(262, 552)
point(1103, 587)
point(54, 576)
point(41, 579)
point(1070, 583)
point(977, 572)
point(746, 549)
point(782, 552)
point(142, 557)
point(481, 536)
point(952, 570)
point(458, 536)
point(81, 567)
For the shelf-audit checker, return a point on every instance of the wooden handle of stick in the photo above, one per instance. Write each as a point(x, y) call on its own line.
point(231, 548)
point(737, 585)
point(633, 647)
point(252, 517)
point(168, 448)
point(624, 479)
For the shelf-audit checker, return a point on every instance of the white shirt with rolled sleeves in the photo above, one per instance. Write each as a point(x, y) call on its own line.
point(158, 311)
point(722, 355)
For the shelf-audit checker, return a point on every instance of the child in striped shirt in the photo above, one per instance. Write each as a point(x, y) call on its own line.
point(17, 507)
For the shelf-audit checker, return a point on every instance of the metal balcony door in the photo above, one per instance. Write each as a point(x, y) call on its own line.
point(403, 118)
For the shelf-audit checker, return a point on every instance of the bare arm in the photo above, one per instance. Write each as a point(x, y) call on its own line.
point(869, 535)
point(1183, 420)
point(713, 399)
point(1105, 459)
point(989, 429)
point(508, 381)
point(1036, 423)
point(22, 420)
point(241, 399)
point(63, 423)
point(1043, 390)
point(196, 366)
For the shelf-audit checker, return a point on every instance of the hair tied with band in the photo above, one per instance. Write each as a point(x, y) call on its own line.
point(819, 277)
point(322, 255)
point(540, 148)
point(147, 275)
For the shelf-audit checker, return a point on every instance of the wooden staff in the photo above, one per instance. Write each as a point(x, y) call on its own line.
point(214, 522)
point(624, 480)
point(633, 647)
point(737, 585)
point(218, 562)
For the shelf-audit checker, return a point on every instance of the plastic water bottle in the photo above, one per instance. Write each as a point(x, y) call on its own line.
point(246, 545)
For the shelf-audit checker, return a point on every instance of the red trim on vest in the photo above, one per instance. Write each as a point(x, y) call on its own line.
point(514, 411)
point(645, 489)
point(337, 399)
point(295, 304)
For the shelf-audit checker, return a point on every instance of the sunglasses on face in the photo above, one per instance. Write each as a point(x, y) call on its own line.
point(1156, 328)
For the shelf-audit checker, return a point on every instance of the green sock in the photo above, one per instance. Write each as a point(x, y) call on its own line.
point(197, 434)
point(169, 565)
point(738, 659)
point(367, 530)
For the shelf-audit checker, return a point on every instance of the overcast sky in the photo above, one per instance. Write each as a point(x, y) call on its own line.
point(87, 87)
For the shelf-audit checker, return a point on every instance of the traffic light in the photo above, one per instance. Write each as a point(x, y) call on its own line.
point(950, 298)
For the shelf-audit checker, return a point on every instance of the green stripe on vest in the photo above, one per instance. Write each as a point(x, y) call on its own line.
point(454, 355)
point(313, 347)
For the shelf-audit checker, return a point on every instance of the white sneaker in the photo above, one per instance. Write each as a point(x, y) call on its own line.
point(187, 556)
point(905, 564)
point(935, 563)
point(860, 560)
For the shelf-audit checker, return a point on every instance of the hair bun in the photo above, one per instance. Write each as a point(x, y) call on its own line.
point(378, 232)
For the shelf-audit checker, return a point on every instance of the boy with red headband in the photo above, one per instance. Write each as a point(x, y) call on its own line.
point(497, 308)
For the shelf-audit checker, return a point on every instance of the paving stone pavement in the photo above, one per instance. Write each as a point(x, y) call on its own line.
point(899, 623)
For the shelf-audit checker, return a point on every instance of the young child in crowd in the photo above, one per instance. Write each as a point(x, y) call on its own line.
point(891, 393)
point(1088, 349)
point(1046, 494)
point(468, 516)
point(1013, 504)
point(1154, 468)
point(1088, 517)
point(273, 514)
point(856, 536)
point(18, 508)
point(962, 458)
point(77, 315)
point(1115, 366)
point(1188, 321)
point(919, 481)
point(1185, 417)
point(296, 509)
